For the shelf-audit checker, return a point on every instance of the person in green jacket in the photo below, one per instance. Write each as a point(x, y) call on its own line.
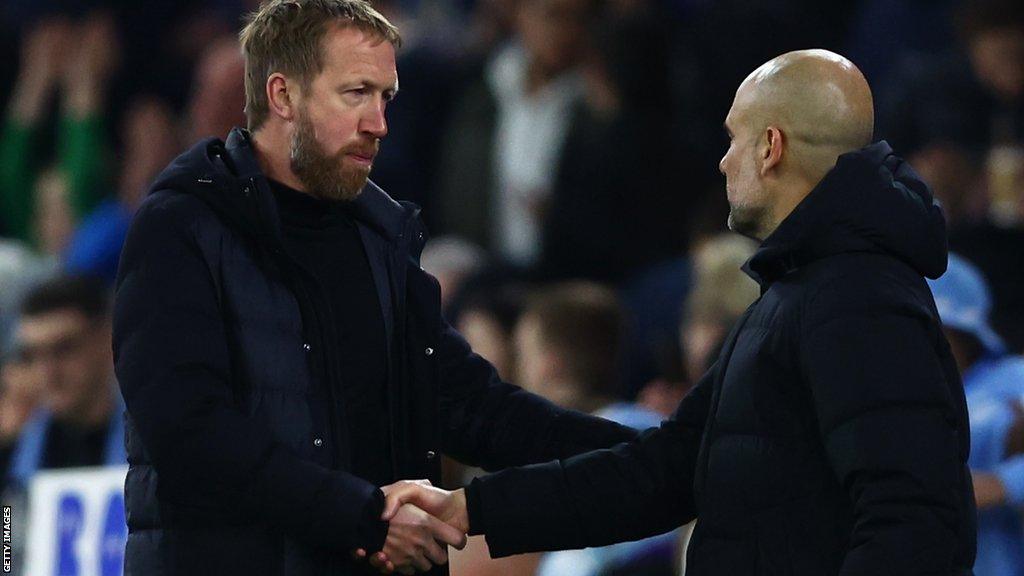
point(41, 203)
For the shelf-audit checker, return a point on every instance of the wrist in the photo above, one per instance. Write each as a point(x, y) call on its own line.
point(460, 517)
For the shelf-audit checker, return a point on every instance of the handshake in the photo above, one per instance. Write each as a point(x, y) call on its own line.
point(424, 521)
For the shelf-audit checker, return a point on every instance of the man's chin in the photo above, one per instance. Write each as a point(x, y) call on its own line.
point(742, 223)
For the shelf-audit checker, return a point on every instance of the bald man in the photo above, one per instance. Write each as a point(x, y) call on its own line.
point(831, 435)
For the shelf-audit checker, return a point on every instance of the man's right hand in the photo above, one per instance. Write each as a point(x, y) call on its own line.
point(416, 541)
point(449, 507)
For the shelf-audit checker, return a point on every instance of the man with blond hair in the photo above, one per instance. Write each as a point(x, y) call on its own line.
point(831, 435)
point(281, 353)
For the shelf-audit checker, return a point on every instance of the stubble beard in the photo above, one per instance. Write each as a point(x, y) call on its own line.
point(749, 221)
point(324, 176)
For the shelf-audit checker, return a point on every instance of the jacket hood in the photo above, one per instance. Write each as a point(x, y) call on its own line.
point(227, 176)
point(871, 201)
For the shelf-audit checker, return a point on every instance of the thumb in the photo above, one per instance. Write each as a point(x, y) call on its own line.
point(398, 495)
point(392, 502)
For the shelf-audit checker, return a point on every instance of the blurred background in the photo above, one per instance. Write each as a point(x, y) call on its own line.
point(565, 154)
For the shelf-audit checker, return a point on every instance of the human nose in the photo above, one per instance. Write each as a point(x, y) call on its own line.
point(373, 121)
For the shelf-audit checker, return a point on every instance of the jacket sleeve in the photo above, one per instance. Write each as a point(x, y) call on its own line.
point(83, 154)
point(493, 424)
point(173, 366)
point(17, 178)
point(888, 423)
point(631, 491)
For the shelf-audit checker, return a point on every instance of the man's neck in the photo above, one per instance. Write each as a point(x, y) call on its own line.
point(272, 155)
point(784, 206)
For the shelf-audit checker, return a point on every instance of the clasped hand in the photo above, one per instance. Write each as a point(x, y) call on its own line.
point(423, 521)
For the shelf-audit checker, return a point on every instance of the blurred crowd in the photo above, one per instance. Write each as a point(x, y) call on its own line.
point(565, 153)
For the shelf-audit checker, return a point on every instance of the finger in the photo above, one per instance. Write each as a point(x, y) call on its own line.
point(436, 553)
point(408, 570)
point(447, 534)
point(423, 482)
point(397, 495)
point(421, 563)
point(381, 563)
point(381, 566)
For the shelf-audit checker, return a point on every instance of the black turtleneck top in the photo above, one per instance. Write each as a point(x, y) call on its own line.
point(321, 235)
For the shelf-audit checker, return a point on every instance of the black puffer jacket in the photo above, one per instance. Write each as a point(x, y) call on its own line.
point(830, 437)
point(230, 382)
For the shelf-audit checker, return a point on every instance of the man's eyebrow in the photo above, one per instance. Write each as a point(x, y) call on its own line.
point(393, 88)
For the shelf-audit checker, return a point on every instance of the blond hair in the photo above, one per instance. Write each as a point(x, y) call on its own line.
point(286, 36)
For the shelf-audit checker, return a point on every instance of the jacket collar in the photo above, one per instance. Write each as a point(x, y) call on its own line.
point(871, 201)
point(373, 206)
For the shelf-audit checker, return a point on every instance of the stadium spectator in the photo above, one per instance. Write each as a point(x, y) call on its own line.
point(19, 398)
point(149, 141)
point(618, 201)
point(973, 99)
point(217, 103)
point(994, 384)
point(451, 260)
point(569, 346)
point(504, 140)
point(41, 205)
point(62, 343)
point(720, 295)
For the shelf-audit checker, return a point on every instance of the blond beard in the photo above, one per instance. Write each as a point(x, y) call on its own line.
point(323, 176)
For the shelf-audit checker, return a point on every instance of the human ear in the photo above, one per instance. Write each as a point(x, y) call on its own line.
point(281, 94)
point(771, 153)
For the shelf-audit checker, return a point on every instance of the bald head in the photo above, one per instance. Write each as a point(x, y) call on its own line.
point(791, 119)
point(818, 99)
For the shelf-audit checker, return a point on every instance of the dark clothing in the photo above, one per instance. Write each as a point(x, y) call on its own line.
point(225, 360)
point(6, 455)
point(70, 446)
point(66, 446)
point(615, 206)
point(830, 437)
point(323, 238)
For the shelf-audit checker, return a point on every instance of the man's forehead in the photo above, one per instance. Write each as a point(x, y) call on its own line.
point(353, 50)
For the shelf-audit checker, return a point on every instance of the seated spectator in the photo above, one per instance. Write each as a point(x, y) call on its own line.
point(721, 293)
point(485, 314)
point(569, 345)
point(994, 385)
point(63, 341)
